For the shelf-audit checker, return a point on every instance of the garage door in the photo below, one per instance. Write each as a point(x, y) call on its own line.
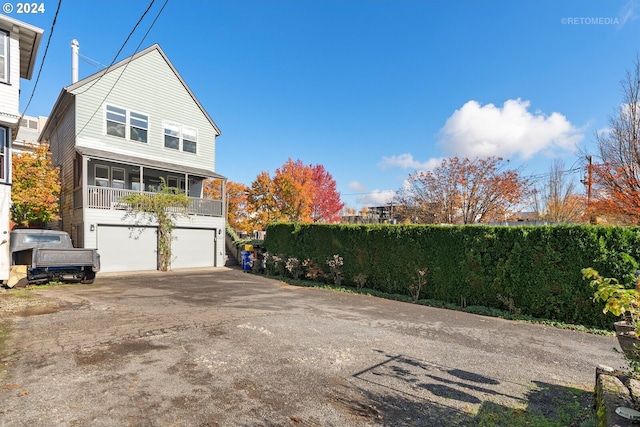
point(193, 248)
point(127, 248)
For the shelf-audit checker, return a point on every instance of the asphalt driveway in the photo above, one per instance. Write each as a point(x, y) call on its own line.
point(226, 348)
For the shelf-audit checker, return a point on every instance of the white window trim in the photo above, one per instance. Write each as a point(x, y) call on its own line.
point(7, 40)
point(180, 129)
point(127, 123)
point(95, 174)
point(174, 127)
point(123, 180)
point(195, 140)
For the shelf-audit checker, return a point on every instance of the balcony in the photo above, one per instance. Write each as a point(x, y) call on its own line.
point(109, 198)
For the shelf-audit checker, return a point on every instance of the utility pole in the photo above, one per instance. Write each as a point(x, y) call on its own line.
point(588, 182)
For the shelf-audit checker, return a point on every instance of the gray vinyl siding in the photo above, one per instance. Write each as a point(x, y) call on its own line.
point(61, 145)
point(147, 85)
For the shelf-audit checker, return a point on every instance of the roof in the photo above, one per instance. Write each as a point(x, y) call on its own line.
point(29, 38)
point(132, 160)
point(125, 61)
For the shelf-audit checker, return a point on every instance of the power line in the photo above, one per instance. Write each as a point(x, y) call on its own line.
point(91, 62)
point(121, 47)
point(125, 65)
point(533, 176)
point(44, 56)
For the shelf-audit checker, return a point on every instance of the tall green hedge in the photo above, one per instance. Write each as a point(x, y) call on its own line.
point(535, 270)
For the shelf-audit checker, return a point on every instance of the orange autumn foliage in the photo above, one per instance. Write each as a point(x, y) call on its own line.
point(36, 187)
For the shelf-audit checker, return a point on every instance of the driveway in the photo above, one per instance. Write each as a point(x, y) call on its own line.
point(221, 347)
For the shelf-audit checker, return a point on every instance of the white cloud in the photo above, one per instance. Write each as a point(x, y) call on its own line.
point(628, 12)
point(406, 161)
point(357, 186)
point(377, 198)
point(479, 131)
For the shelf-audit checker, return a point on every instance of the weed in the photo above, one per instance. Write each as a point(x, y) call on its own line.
point(335, 269)
point(360, 280)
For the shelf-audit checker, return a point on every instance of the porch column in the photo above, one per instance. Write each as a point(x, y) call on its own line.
point(84, 177)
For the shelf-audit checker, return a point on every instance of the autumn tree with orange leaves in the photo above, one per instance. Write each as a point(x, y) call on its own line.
point(462, 191)
point(616, 177)
point(236, 202)
point(296, 193)
point(326, 204)
point(36, 187)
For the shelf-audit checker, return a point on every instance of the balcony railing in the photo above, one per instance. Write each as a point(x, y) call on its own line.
point(109, 198)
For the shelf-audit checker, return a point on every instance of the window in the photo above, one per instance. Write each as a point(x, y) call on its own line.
point(189, 140)
point(178, 137)
point(127, 124)
point(102, 175)
point(134, 180)
point(28, 123)
point(4, 61)
point(117, 177)
point(42, 238)
point(116, 121)
point(172, 136)
point(139, 126)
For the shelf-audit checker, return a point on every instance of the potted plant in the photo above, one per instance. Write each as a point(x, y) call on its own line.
point(621, 302)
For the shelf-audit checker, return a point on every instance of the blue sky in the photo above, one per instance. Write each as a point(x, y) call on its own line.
point(371, 89)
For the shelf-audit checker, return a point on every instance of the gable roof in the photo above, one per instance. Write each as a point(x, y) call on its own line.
point(29, 38)
point(68, 91)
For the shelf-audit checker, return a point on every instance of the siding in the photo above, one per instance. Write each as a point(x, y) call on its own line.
point(149, 86)
point(62, 150)
point(10, 93)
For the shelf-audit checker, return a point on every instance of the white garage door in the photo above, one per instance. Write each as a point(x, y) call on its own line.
point(193, 248)
point(127, 248)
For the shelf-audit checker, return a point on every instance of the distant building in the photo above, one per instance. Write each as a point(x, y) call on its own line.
point(28, 134)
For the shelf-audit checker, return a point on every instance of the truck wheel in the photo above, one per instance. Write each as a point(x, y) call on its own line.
point(89, 276)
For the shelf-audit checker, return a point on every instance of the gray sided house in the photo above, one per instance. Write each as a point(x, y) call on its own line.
point(126, 129)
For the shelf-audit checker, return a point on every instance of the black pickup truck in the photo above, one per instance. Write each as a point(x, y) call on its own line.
point(50, 255)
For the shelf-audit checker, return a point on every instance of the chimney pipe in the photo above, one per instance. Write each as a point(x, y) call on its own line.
point(75, 47)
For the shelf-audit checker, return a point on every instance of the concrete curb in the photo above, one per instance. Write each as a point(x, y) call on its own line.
point(614, 389)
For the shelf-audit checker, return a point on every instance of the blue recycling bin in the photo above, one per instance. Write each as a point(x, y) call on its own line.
point(246, 260)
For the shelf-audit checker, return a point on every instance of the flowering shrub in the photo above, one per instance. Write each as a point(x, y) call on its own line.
point(335, 269)
point(314, 272)
point(294, 267)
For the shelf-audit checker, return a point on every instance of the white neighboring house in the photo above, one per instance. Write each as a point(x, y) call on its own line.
point(28, 134)
point(123, 130)
point(19, 43)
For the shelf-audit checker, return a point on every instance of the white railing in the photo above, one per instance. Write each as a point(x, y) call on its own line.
point(110, 198)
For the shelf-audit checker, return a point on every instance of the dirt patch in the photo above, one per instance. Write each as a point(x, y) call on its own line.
point(36, 311)
point(114, 352)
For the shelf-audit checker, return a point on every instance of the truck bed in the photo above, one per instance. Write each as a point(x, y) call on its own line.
point(65, 257)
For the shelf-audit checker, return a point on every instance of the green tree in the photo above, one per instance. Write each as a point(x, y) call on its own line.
point(36, 187)
point(164, 206)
